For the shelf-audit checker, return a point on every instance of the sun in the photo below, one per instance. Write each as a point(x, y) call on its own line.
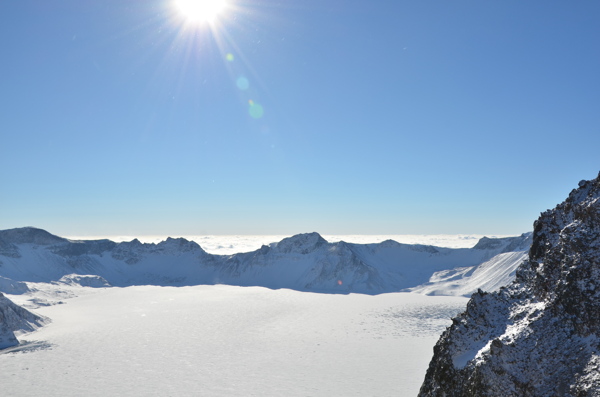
point(201, 10)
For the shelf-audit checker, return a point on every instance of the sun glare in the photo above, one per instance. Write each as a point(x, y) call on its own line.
point(201, 10)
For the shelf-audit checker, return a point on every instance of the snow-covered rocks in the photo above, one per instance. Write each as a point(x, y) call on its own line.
point(13, 319)
point(84, 281)
point(538, 336)
point(12, 287)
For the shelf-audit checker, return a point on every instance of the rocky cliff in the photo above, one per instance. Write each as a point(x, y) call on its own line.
point(538, 336)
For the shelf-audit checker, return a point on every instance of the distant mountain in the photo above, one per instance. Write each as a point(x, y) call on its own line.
point(304, 262)
point(539, 336)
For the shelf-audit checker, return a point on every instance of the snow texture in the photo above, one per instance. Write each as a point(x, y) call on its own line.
point(539, 335)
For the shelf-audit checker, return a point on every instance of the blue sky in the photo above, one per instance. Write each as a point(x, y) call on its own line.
point(281, 117)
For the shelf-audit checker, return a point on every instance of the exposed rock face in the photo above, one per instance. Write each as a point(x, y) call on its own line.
point(540, 335)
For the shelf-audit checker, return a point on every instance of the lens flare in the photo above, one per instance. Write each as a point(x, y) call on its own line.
point(242, 83)
point(255, 110)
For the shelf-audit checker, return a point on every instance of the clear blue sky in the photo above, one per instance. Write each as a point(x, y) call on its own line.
point(347, 117)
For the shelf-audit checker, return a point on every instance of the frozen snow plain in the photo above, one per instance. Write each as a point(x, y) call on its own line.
point(218, 340)
point(225, 341)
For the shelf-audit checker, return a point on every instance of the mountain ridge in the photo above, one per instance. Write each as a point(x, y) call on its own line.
point(305, 262)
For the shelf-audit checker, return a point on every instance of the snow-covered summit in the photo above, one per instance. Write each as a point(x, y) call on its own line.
point(30, 235)
point(300, 243)
point(178, 244)
point(540, 335)
point(9, 239)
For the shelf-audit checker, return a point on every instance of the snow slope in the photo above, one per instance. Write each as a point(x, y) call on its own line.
point(464, 281)
point(304, 262)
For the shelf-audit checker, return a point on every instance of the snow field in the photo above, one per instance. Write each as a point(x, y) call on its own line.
point(229, 341)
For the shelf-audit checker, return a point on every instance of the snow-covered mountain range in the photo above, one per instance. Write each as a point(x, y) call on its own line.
point(304, 262)
point(540, 335)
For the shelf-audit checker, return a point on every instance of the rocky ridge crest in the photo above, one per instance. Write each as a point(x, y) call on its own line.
point(540, 335)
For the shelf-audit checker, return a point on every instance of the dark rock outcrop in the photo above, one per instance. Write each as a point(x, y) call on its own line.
point(540, 335)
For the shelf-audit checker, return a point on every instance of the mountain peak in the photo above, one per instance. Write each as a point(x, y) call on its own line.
point(301, 243)
point(179, 244)
point(30, 235)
